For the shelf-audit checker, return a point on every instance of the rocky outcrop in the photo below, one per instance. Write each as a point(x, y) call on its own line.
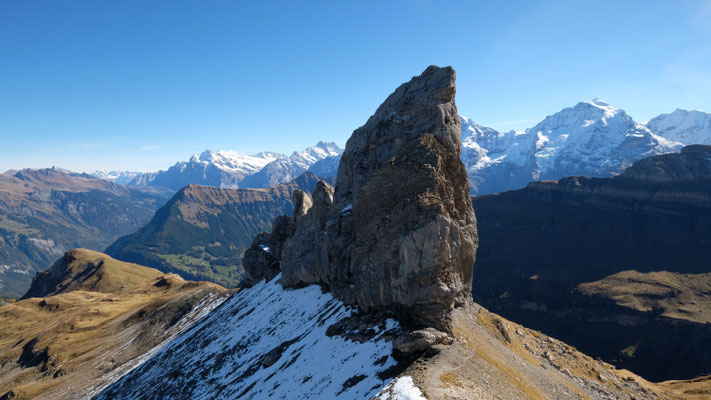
point(67, 274)
point(692, 164)
point(262, 259)
point(398, 232)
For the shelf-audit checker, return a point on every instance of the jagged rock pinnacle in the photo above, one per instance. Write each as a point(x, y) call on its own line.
point(399, 232)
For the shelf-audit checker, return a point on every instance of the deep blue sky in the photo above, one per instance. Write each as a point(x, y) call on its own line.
point(139, 85)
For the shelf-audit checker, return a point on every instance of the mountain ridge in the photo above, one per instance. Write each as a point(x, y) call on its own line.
point(230, 169)
point(95, 318)
point(202, 231)
point(44, 212)
point(591, 138)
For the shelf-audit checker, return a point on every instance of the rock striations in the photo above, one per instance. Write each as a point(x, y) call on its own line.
point(398, 231)
point(609, 265)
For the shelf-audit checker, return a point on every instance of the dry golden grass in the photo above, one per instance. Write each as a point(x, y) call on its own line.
point(82, 330)
point(675, 295)
point(693, 389)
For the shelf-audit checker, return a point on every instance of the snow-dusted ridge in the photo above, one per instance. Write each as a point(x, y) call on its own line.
point(688, 127)
point(592, 138)
point(119, 177)
point(236, 162)
point(268, 342)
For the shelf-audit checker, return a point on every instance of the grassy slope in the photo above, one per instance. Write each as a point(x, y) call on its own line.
point(45, 212)
point(673, 295)
point(79, 335)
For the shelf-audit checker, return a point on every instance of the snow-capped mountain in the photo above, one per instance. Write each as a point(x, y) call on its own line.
point(285, 169)
point(229, 169)
point(235, 162)
point(210, 168)
point(326, 168)
point(687, 127)
point(120, 177)
point(592, 138)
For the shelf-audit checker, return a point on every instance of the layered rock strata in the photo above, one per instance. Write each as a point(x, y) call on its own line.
point(614, 266)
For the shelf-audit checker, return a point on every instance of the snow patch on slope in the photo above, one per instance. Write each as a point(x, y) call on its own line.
point(402, 388)
point(265, 342)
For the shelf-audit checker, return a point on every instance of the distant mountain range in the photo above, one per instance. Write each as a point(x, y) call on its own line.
point(591, 138)
point(202, 231)
point(120, 177)
point(229, 169)
point(45, 212)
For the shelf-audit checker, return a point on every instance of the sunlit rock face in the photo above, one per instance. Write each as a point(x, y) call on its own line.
point(398, 231)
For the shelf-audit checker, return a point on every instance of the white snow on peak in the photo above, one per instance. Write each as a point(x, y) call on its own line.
point(687, 127)
point(591, 138)
point(267, 342)
point(312, 154)
point(235, 162)
point(120, 177)
point(483, 147)
point(600, 103)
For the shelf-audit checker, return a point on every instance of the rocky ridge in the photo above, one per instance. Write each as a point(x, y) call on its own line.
point(90, 319)
point(268, 342)
point(393, 243)
point(398, 229)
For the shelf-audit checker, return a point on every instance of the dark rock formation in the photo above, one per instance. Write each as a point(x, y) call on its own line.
point(398, 232)
point(262, 259)
point(540, 243)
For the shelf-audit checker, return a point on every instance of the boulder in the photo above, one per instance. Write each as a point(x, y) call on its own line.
point(419, 341)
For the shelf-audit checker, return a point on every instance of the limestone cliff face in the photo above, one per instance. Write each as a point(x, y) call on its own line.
point(540, 243)
point(398, 231)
